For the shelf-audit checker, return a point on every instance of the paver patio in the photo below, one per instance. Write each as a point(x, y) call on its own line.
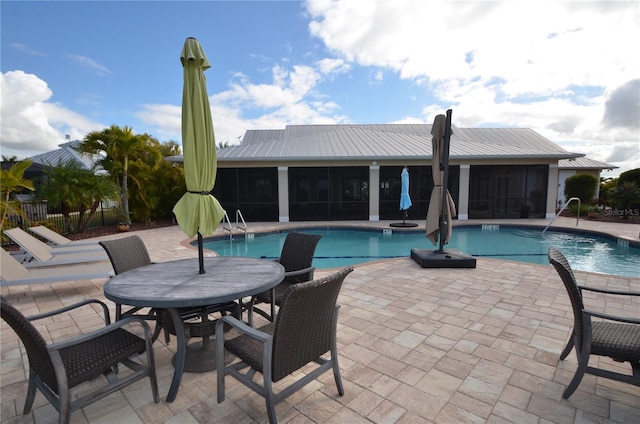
point(416, 346)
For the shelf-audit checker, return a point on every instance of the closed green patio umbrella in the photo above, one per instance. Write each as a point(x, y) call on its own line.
point(197, 212)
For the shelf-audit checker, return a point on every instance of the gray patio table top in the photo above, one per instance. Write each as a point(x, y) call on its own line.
point(177, 284)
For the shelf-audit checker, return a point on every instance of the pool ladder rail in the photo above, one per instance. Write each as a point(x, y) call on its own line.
point(562, 209)
point(226, 224)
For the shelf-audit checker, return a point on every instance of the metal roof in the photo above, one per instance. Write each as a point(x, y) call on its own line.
point(388, 141)
point(584, 163)
point(64, 154)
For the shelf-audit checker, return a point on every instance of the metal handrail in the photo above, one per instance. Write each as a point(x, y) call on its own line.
point(244, 224)
point(563, 208)
point(226, 225)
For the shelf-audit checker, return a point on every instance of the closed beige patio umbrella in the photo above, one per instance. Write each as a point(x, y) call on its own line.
point(439, 219)
point(442, 209)
point(197, 212)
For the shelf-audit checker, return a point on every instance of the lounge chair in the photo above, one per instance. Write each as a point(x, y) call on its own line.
point(296, 257)
point(35, 253)
point(614, 336)
point(14, 273)
point(303, 332)
point(57, 368)
point(58, 240)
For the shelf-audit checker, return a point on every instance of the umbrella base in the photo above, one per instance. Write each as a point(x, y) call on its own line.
point(403, 224)
point(447, 259)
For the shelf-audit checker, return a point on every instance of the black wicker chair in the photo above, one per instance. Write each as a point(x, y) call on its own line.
point(304, 330)
point(125, 254)
point(58, 367)
point(296, 258)
point(613, 336)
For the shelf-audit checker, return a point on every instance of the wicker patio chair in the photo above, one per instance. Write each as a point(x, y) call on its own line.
point(613, 336)
point(125, 254)
point(304, 330)
point(296, 257)
point(58, 367)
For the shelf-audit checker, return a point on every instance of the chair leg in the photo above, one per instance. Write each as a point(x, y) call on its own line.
point(334, 352)
point(272, 305)
point(583, 363)
point(269, 399)
point(250, 311)
point(65, 406)
point(567, 349)
point(220, 367)
point(336, 372)
point(31, 393)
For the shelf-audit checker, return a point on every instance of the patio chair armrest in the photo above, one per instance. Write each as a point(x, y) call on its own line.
point(101, 331)
point(299, 271)
point(242, 327)
point(587, 314)
point(105, 310)
point(607, 291)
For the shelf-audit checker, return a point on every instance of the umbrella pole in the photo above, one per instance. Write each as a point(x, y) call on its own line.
point(200, 254)
point(444, 167)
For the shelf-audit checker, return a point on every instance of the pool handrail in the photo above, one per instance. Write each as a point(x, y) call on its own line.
point(562, 209)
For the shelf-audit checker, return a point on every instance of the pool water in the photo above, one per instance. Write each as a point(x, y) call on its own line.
point(340, 247)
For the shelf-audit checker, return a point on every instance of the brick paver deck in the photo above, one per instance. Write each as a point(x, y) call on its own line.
point(416, 346)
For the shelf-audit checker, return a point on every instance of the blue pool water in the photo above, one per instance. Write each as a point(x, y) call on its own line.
point(340, 246)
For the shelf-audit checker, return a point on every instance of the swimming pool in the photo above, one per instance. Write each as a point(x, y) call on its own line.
point(347, 246)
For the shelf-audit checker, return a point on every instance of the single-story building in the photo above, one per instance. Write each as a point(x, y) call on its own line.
point(352, 172)
point(329, 172)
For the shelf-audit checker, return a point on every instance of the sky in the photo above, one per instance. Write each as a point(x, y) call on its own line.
point(569, 70)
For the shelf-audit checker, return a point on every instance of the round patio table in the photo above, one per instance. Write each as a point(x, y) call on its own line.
point(177, 284)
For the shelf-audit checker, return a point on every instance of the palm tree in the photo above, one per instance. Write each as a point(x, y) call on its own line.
point(118, 146)
point(12, 180)
point(625, 195)
point(76, 188)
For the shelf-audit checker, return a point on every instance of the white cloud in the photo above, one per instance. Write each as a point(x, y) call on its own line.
point(25, 129)
point(166, 120)
point(545, 65)
point(565, 69)
point(87, 62)
point(26, 49)
point(289, 98)
point(332, 66)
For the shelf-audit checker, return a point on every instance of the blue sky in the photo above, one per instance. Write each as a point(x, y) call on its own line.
point(568, 70)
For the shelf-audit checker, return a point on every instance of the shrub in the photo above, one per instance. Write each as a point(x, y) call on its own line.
point(627, 193)
point(582, 186)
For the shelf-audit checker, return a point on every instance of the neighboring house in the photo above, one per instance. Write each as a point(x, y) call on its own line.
point(571, 167)
point(67, 152)
point(352, 172)
point(37, 174)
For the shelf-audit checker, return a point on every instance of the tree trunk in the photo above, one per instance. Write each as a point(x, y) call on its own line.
point(125, 191)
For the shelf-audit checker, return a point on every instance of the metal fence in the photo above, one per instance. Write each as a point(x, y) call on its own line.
point(36, 213)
